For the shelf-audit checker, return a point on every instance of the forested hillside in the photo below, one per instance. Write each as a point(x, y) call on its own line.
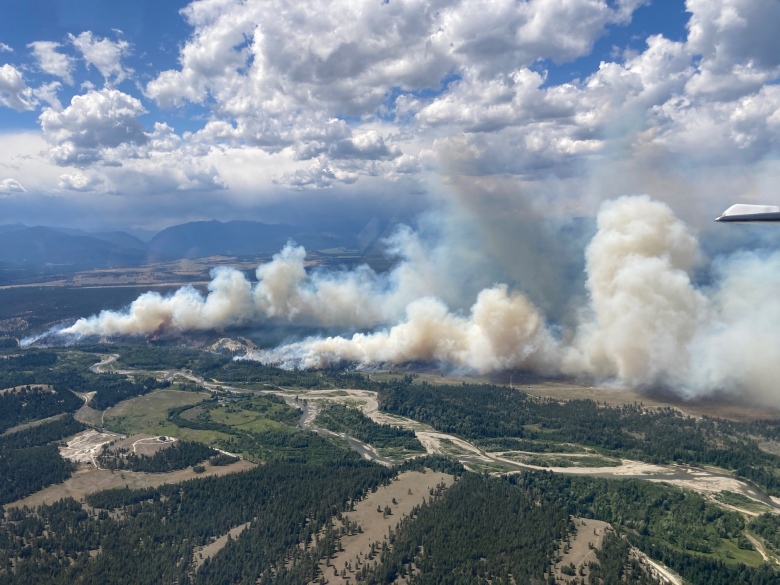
point(30, 460)
point(483, 530)
point(42, 434)
point(36, 385)
point(153, 542)
point(24, 471)
point(25, 381)
point(676, 527)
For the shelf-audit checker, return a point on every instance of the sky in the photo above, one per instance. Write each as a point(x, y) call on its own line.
point(146, 114)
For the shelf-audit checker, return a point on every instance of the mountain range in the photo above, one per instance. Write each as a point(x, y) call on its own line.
point(27, 250)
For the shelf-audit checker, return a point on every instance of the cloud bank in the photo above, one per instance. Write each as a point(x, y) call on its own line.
point(278, 102)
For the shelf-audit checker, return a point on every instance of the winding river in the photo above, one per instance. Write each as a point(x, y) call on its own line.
point(703, 480)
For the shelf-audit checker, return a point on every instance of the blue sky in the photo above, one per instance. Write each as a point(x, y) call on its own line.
point(155, 29)
point(132, 114)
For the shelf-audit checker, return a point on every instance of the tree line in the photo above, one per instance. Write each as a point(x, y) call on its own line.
point(30, 459)
point(180, 455)
point(489, 414)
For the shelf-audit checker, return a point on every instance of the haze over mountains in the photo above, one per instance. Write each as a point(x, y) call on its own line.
point(25, 250)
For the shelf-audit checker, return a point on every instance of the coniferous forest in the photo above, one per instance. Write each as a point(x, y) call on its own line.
point(482, 530)
point(287, 504)
point(492, 414)
point(180, 455)
point(341, 419)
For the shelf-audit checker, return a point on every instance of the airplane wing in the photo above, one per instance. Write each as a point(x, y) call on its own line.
point(742, 213)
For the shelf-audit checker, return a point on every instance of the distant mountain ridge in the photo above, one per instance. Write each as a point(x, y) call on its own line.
point(199, 239)
point(58, 249)
point(41, 246)
point(118, 238)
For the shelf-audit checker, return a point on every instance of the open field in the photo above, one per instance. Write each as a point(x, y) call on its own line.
point(143, 444)
point(89, 416)
point(88, 480)
point(245, 420)
point(201, 553)
point(580, 549)
point(560, 459)
point(408, 489)
point(730, 552)
point(174, 273)
point(148, 414)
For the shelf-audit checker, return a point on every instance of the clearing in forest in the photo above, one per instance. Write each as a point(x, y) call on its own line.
point(201, 553)
point(148, 414)
point(84, 447)
point(408, 490)
point(580, 549)
point(88, 480)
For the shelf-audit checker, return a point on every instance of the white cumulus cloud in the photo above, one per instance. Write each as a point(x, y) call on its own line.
point(14, 92)
point(52, 62)
point(92, 125)
point(104, 54)
point(10, 186)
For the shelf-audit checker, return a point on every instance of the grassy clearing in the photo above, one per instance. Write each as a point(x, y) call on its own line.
point(741, 502)
point(245, 420)
point(88, 480)
point(480, 466)
point(227, 416)
point(89, 415)
point(192, 413)
point(396, 453)
point(729, 552)
point(149, 415)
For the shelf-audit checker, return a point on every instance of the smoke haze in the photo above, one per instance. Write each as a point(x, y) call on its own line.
point(643, 320)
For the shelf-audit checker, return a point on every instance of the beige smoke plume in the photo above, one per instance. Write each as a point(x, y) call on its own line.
point(285, 292)
point(502, 331)
point(645, 324)
point(644, 309)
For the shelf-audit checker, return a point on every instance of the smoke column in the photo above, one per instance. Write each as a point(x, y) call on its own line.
point(644, 312)
point(502, 331)
point(284, 293)
point(644, 322)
